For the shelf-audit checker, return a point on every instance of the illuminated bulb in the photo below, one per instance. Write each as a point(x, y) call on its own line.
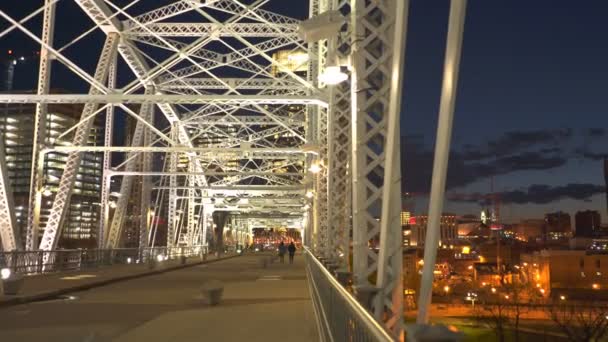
point(562, 297)
point(333, 75)
point(493, 290)
point(112, 204)
point(315, 168)
point(47, 192)
point(129, 260)
point(159, 257)
point(309, 194)
point(5, 273)
point(595, 286)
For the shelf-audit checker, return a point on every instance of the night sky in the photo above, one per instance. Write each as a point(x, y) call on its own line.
point(532, 109)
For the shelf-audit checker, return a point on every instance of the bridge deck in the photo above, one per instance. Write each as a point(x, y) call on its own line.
point(259, 305)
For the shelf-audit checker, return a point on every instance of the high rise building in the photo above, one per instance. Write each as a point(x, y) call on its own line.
point(587, 223)
point(405, 218)
point(557, 226)
point(606, 181)
point(448, 229)
point(82, 218)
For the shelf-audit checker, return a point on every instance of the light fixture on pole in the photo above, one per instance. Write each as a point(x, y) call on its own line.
point(333, 75)
point(315, 167)
point(326, 26)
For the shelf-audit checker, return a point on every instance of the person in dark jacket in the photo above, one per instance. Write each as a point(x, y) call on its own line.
point(282, 250)
point(292, 251)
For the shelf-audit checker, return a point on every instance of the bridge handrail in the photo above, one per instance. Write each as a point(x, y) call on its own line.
point(31, 262)
point(340, 317)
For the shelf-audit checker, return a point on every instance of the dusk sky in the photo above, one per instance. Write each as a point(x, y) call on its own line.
point(531, 109)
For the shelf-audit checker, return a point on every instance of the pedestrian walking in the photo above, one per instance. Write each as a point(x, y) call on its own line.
point(292, 251)
point(282, 250)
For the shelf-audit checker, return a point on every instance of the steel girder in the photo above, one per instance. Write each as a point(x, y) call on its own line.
point(339, 152)
point(44, 79)
point(9, 236)
point(242, 100)
point(60, 206)
point(378, 36)
point(203, 29)
point(126, 185)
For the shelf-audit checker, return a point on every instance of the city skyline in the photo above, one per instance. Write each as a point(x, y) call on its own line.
point(529, 112)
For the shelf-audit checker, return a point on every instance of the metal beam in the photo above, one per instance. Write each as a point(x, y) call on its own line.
point(54, 225)
point(241, 100)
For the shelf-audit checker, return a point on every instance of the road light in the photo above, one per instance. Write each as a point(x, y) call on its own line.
point(446, 289)
point(5, 273)
point(315, 167)
point(595, 286)
point(333, 75)
point(309, 194)
point(493, 290)
point(562, 297)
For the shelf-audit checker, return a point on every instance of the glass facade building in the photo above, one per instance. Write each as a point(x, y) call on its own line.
point(17, 127)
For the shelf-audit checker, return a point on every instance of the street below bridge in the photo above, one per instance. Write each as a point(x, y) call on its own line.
point(259, 304)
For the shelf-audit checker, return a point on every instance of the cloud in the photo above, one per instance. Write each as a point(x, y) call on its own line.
point(516, 141)
point(534, 150)
point(539, 194)
point(585, 153)
point(417, 164)
point(596, 132)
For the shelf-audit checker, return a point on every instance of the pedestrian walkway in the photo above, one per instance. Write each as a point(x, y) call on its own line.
point(259, 304)
point(44, 286)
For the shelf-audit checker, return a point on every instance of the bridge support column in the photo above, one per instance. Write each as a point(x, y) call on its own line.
point(376, 93)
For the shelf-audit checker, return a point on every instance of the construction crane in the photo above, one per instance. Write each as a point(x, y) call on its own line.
point(9, 61)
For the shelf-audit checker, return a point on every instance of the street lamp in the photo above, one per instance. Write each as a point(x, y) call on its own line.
point(5, 273)
point(333, 75)
point(562, 297)
point(315, 167)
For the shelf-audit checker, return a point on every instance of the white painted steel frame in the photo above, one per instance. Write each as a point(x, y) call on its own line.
point(376, 186)
point(442, 152)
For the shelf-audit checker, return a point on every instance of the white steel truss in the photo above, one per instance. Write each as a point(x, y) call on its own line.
point(238, 128)
point(378, 35)
point(52, 230)
point(9, 236)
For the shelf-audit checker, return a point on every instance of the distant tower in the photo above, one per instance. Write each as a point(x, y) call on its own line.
point(606, 179)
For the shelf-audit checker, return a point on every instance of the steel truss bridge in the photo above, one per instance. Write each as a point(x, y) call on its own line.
point(239, 130)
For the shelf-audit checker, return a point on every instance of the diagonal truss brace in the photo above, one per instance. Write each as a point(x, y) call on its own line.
point(60, 206)
point(8, 229)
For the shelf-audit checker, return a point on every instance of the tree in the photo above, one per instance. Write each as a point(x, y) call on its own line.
point(494, 312)
point(581, 322)
point(503, 308)
point(522, 297)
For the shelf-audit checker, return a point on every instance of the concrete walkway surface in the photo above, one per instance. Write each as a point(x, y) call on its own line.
point(259, 304)
point(45, 286)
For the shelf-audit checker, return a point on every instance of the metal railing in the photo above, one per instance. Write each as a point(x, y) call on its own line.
point(31, 262)
point(339, 316)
